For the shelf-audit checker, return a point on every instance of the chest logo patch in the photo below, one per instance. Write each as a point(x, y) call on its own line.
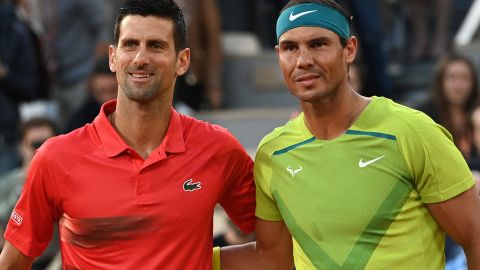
point(190, 186)
point(294, 171)
point(363, 164)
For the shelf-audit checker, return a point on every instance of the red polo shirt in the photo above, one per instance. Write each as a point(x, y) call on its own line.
point(116, 210)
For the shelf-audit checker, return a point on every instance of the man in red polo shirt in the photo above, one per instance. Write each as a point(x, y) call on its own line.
point(137, 187)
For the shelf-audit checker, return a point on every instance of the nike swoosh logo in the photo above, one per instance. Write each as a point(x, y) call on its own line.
point(296, 16)
point(362, 164)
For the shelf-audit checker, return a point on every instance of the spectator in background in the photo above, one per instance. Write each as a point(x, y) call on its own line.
point(367, 22)
point(72, 38)
point(474, 162)
point(102, 87)
point(18, 79)
point(201, 86)
point(425, 45)
point(453, 96)
point(32, 134)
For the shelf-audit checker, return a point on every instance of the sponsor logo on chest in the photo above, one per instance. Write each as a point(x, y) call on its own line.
point(190, 186)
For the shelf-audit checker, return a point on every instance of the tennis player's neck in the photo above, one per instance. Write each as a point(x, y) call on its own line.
point(142, 130)
point(331, 121)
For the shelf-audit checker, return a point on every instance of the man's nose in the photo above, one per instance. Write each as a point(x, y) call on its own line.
point(141, 58)
point(305, 58)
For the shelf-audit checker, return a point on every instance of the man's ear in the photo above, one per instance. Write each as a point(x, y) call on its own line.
point(183, 61)
point(112, 58)
point(351, 49)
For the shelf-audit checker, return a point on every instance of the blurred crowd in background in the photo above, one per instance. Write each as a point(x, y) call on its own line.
point(54, 72)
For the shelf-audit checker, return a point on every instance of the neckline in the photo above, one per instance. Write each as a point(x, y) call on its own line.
point(308, 134)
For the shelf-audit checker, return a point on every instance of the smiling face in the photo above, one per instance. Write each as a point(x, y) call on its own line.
point(145, 60)
point(314, 62)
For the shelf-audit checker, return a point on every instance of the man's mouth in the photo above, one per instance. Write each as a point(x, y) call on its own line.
point(141, 76)
point(307, 77)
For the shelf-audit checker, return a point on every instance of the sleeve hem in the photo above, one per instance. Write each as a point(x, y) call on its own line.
point(450, 193)
point(268, 216)
point(22, 245)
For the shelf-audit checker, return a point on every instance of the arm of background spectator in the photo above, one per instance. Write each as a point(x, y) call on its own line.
point(12, 258)
point(460, 218)
point(272, 250)
point(214, 53)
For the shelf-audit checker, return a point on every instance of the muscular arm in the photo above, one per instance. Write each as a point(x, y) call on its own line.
point(460, 218)
point(12, 259)
point(272, 250)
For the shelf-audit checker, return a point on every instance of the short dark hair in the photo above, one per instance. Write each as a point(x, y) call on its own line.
point(328, 3)
point(159, 8)
point(34, 123)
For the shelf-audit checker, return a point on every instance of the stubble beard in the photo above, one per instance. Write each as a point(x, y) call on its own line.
point(318, 93)
point(140, 94)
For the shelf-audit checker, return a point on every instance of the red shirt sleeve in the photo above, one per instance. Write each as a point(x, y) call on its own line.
point(32, 221)
point(239, 197)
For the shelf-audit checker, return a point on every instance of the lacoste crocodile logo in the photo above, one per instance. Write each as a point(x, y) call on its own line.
point(189, 186)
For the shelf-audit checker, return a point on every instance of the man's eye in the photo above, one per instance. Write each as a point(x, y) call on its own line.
point(318, 44)
point(289, 48)
point(129, 44)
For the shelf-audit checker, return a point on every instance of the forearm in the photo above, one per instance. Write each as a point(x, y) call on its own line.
point(473, 256)
point(12, 259)
point(251, 256)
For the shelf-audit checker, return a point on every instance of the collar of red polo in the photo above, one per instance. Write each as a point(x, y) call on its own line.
point(113, 144)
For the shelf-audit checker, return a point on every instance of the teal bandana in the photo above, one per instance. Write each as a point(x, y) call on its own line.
point(313, 15)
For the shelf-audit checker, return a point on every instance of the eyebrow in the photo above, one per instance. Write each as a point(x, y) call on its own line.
point(319, 39)
point(157, 41)
point(313, 40)
point(149, 41)
point(123, 41)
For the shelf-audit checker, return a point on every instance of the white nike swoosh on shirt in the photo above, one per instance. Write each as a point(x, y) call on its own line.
point(362, 164)
point(296, 16)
